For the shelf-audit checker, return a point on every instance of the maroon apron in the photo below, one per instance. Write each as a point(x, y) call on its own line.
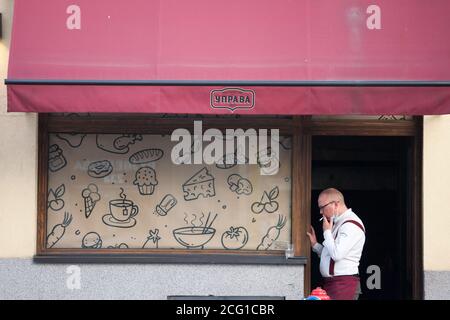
point(341, 287)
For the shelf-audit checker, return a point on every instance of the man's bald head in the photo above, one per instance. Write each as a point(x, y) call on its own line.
point(332, 194)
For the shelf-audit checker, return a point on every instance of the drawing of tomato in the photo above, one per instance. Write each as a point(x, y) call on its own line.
point(235, 238)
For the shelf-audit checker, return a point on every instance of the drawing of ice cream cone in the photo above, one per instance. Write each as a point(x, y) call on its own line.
point(91, 197)
point(88, 206)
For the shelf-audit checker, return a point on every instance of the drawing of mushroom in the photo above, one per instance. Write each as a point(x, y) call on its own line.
point(239, 185)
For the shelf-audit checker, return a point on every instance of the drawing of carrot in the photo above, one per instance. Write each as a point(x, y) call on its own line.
point(272, 234)
point(58, 230)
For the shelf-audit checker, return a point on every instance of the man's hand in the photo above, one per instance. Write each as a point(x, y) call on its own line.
point(312, 236)
point(327, 225)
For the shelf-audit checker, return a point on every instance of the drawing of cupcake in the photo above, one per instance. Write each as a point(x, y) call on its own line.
point(146, 180)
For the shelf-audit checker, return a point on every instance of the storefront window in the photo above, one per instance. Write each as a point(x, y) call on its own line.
point(124, 191)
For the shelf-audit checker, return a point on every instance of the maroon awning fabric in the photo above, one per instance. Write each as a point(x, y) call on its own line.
point(241, 56)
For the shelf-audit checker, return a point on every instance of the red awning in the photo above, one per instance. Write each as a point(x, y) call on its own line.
point(241, 56)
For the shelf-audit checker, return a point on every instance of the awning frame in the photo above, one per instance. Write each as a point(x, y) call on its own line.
point(260, 83)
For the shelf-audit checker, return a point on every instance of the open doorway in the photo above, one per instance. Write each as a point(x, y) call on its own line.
point(373, 173)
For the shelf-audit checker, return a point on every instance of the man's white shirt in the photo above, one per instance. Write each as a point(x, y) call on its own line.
point(346, 250)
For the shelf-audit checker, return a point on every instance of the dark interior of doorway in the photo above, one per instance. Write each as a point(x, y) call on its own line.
point(372, 173)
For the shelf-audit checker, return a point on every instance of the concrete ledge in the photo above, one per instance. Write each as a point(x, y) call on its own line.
point(437, 285)
point(24, 279)
point(172, 259)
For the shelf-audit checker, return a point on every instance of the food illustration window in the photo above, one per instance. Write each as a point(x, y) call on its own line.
point(124, 191)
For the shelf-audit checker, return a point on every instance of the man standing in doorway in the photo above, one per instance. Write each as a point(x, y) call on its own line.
point(344, 237)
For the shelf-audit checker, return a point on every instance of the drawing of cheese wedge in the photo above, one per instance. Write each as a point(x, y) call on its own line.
point(200, 184)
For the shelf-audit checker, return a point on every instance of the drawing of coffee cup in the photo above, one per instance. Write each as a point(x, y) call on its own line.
point(122, 209)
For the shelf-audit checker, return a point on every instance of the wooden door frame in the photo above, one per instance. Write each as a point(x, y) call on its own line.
point(378, 128)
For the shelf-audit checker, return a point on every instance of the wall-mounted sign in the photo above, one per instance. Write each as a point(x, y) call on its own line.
point(232, 99)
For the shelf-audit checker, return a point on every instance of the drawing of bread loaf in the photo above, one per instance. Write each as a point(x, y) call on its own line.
point(146, 156)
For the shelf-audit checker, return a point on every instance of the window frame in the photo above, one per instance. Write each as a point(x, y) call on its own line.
point(147, 124)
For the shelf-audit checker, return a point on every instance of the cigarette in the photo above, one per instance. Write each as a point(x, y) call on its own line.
point(321, 219)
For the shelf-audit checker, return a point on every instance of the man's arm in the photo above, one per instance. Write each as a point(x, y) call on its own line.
point(317, 248)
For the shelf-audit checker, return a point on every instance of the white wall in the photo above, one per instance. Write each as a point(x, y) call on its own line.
point(436, 190)
point(18, 161)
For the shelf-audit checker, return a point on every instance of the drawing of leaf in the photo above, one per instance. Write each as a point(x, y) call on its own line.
point(60, 191)
point(51, 195)
point(274, 193)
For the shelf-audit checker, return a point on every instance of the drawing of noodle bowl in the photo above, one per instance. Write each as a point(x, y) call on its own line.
point(193, 237)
